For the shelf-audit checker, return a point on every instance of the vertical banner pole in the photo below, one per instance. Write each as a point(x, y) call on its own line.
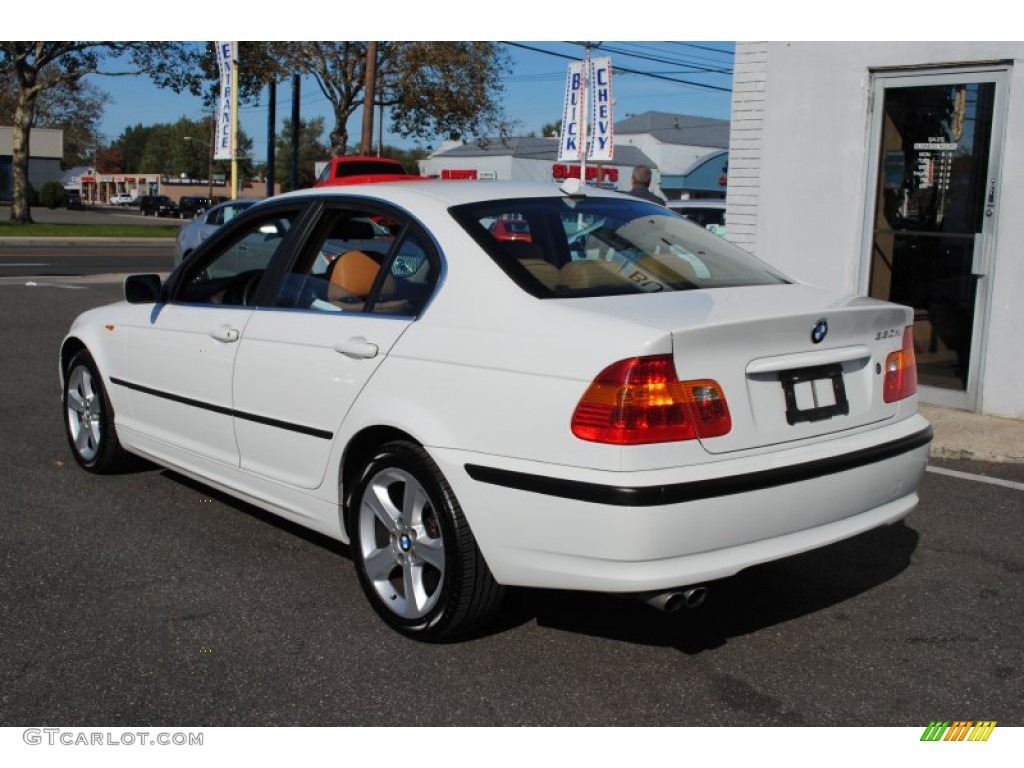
point(586, 81)
point(583, 118)
point(234, 120)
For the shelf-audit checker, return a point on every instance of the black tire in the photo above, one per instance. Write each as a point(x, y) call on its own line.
point(426, 543)
point(89, 419)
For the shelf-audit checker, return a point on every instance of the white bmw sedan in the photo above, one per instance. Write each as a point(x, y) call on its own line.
point(619, 402)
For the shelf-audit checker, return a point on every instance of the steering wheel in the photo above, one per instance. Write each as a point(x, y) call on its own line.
point(248, 290)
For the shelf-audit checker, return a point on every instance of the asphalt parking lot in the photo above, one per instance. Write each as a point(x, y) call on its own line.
point(147, 598)
point(97, 214)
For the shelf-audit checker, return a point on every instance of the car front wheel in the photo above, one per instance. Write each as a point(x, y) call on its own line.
point(89, 418)
point(414, 553)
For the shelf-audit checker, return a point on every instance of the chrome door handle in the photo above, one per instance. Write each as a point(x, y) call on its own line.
point(357, 347)
point(225, 333)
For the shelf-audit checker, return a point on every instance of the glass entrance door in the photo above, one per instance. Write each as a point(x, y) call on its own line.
point(933, 214)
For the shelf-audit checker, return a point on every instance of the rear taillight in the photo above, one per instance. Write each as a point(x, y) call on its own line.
point(901, 370)
point(641, 400)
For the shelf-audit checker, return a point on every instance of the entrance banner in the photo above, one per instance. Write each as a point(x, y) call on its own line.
point(227, 54)
point(573, 115)
point(602, 126)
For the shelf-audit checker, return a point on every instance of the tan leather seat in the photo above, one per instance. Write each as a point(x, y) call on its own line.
point(580, 275)
point(350, 279)
point(531, 256)
point(544, 271)
point(671, 272)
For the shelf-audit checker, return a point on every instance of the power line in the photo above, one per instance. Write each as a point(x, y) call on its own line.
point(662, 59)
point(626, 70)
point(704, 48)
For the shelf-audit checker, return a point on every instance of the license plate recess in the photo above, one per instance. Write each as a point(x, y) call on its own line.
point(814, 394)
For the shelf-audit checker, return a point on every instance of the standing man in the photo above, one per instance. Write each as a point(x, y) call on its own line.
point(642, 185)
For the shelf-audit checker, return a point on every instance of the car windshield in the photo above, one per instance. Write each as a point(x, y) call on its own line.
point(599, 246)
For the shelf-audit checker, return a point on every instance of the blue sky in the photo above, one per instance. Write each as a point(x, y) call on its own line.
point(533, 90)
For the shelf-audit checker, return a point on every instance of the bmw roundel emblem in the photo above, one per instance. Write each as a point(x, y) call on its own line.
point(820, 331)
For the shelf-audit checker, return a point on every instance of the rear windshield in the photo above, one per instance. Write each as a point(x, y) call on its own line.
point(597, 246)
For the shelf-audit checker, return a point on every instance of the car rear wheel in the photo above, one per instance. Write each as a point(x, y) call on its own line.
point(89, 418)
point(414, 553)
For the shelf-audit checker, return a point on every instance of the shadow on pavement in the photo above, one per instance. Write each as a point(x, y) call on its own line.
point(757, 598)
point(754, 599)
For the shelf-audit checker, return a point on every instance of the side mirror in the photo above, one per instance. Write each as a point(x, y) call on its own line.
point(142, 289)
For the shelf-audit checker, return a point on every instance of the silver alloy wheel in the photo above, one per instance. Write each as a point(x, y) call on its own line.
point(401, 543)
point(85, 412)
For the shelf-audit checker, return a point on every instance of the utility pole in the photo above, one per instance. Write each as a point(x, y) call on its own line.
point(271, 137)
point(296, 92)
point(369, 90)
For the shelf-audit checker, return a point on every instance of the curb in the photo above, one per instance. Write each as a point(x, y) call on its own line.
point(965, 436)
point(6, 242)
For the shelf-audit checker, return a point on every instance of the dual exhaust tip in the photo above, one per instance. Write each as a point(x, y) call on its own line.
point(673, 600)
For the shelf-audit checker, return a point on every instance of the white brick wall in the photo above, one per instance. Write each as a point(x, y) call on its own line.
point(746, 142)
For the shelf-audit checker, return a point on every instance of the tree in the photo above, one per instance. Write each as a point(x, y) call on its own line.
point(76, 108)
point(311, 149)
point(132, 144)
point(433, 88)
point(108, 160)
point(409, 158)
point(169, 64)
point(448, 89)
point(551, 129)
point(172, 149)
point(339, 70)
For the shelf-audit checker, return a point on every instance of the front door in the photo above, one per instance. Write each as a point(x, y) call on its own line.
point(937, 179)
point(180, 361)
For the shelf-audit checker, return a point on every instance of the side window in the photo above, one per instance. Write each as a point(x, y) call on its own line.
point(408, 280)
point(228, 212)
point(231, 274)
point(356, 263)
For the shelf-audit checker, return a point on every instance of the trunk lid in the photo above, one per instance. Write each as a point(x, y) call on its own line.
point(794, 362)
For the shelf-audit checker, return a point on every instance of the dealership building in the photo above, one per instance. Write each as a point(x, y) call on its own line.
point(893, 170)
point(687, 155)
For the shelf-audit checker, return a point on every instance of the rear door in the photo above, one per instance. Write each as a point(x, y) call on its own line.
point(336, 315)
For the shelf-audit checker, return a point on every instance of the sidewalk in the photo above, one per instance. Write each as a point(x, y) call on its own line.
point(964, 435)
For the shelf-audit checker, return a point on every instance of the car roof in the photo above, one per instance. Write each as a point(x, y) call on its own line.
point(444, 192)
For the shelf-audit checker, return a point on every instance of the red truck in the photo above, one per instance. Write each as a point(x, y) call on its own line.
point(359, 169)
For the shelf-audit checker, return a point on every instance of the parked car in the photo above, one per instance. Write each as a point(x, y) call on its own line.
point(158, 205)
point(710, 214)
point(360, 169)
point(191, 205)
point(510, 229)
point(640, 409)
point(122, 198)
point(205, 224)
point(73, 200)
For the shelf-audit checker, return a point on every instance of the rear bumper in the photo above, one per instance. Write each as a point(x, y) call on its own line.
point(561, 527)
